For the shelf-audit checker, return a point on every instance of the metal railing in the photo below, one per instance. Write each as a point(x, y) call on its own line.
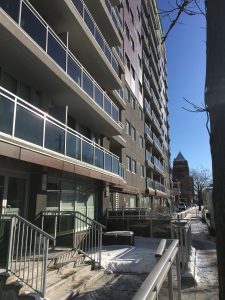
point(181, 230)
point(128, 213)
point(22, 120)
point(159, 165)
point(149, 158)
point(27, 252)
point(148, 132)
point(83, 233)
point(35, 26)
point(148, 108)
point(152, 285)
point(157, 143)
point(95, 31)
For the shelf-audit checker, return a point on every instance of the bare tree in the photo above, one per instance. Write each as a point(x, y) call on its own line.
point(215, 105)
point(202, 177)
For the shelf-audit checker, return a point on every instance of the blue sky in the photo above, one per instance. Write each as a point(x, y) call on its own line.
point(186, 76)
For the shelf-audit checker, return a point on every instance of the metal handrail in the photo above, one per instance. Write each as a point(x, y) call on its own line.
point(45, 119)
point(27, 252)
point(153, 283)
point(86, 233)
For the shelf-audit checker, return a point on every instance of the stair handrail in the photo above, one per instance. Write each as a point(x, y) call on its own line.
point(89, 243)
point(27, 252)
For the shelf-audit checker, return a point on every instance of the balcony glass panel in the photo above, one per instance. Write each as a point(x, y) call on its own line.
point(11, 7)
point(54, 138)
point(79, 5)
point(6, 115)
point(107, 105)
point(73, 146)
point(108, 162)
point(108, 54)
point(74, 71)
point(88, 85)
point(87, 152)
point(115, 114)
point(99, 39)
point(115, 65)
point(89, 22)
point(99, 158)
point(98, 96)
point(32, 25)
point(115, 165)
point(56, 51)
point(29, 126)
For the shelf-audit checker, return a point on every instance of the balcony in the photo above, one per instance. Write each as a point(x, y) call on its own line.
point(148, 110)
point(107, 19)
point(145, 39)
point(150, 183)
point(148, 134)
point(157, 144)
point(156, 123)
point(40, 53)
point(159, 167)
point(76, 19)
point(154, 82)
point(155, 102)
point(118, 98)
point(22, 122)
point(149, 159)
point(119, 54)
point(147, 86)
point(160, 187)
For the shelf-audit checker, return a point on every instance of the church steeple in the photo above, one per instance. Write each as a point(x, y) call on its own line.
point(180, 157)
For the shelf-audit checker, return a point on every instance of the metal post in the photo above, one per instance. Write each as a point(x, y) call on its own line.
point(44, 279)
point(100, 248)
point(9, 257)
point(170, 284)
point(178, 275)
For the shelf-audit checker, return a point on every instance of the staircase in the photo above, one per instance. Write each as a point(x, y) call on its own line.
point(37, 267)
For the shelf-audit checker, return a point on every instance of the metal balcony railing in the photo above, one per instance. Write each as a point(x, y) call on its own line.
point(150, 183)
point(159, 186)
point(159, 165)
point(28, 250)
point(23, 121)
point(149, 157)
point(36, 27)
point(157, 143)
point(95, 31)
point(157, 124)
point(148, 132)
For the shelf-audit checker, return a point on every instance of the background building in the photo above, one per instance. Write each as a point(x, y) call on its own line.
point(181, 174)
point(83, 93)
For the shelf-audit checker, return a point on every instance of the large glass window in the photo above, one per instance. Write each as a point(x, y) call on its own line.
point(6, 115)
point(56, 51)
point(29, 126)
point(74, 71)
point(16, 195)
point(54, 137)
point(11, 7)
point(33, 26)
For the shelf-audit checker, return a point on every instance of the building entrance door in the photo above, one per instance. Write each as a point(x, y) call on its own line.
point(13, 194)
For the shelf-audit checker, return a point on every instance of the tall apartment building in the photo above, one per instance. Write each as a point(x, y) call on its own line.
point(83, 92)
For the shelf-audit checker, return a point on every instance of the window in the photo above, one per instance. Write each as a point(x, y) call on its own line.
point(139, 59)
point(133, 102)
point(139, 15)
point(133, 72)
point(134, 166)
point(127, 94)
point(132, 17)
point(140, 87)
point(133, 133)
point(132, 43)
point(127, 31)
point(141, 142)
point(127, 61)
point(129, 167)
point(140, 113)
point(128, 128)
point(142, 171)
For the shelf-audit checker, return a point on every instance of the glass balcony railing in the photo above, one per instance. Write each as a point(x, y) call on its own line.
point(149, 157)
point(148, 132)
point(157, 143)
point(119, 53)
point(155, 101)
point(159, 165)
point(21, 120)
point(150, 183)
point(95, 31)
point(148, 109)
point(120, 93)
point(115, 15)
point(35, 26)
point(157, 124)
point(147, 85)
point(159, 186)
